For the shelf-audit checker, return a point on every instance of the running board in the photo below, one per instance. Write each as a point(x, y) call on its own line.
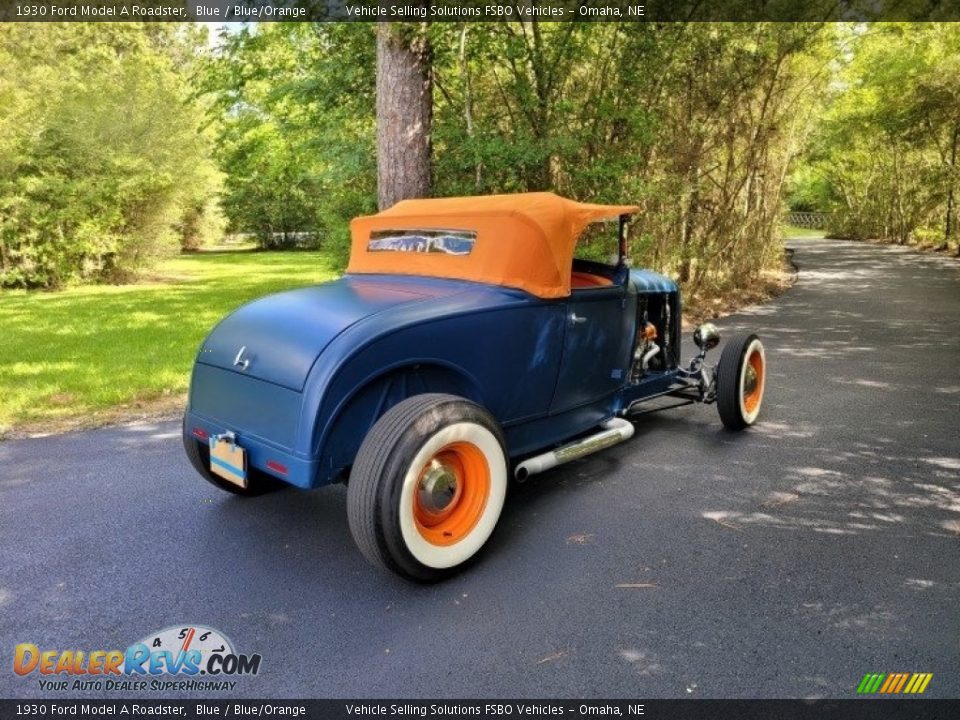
point(615, 431)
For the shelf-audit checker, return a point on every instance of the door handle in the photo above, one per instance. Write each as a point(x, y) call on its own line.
point(577, 319)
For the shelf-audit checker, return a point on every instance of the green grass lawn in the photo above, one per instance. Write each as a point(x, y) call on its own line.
point(82, 350)
point(793, 231)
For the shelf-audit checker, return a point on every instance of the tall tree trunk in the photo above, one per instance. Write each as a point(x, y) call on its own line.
point(468, 103)
point(404, 113)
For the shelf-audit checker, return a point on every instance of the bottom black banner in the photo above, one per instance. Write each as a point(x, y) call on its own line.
point(441, 709)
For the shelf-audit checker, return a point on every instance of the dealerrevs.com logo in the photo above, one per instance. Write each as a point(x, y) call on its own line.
point(185, 657)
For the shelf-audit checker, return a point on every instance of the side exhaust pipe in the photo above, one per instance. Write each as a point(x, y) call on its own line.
point(615, 431)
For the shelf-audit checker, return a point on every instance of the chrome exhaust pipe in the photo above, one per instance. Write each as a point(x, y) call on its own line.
point(615, 431)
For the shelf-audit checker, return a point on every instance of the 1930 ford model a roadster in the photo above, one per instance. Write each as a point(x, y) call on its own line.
point(463, 343)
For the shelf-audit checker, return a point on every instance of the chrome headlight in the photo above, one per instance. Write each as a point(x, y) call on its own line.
point(706, 336)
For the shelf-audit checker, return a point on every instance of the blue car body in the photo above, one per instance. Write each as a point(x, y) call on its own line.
point(300, 377)
point(465, 346)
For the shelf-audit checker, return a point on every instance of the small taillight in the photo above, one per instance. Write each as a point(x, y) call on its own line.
point(276, 467)
point(200, 433)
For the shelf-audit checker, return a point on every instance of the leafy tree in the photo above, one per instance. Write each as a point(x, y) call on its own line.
point(293, 105)
point(104, 162)
point(697, 122)
point(884, 157)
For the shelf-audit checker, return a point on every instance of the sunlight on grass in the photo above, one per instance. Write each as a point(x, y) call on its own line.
point(794, 231)
point(89, 348)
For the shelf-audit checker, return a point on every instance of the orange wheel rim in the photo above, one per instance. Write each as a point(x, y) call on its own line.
point(753, 383)
point(451, 493)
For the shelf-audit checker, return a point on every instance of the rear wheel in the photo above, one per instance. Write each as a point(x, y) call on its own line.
point(427, 487)
point(741, 380)
point(198, 453)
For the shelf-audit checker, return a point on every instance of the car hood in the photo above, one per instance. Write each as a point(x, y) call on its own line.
point(281, 335)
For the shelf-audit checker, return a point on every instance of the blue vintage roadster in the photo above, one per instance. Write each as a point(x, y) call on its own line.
point(464, 345)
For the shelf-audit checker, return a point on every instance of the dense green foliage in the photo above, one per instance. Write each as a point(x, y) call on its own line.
point(102, 162)
point(696, 122)
point(294, 105)
point(884, 159)
point(121, 141)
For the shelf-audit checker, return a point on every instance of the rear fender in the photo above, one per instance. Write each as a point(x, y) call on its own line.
point(337, 441)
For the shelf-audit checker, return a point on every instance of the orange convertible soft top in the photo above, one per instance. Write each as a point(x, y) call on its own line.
point(523, 241)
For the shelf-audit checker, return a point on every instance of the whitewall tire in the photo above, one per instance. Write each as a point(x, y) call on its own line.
point(428, 486)
point(741, 381)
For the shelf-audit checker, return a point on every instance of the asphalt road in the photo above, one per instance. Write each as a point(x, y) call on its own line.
point(786, 561)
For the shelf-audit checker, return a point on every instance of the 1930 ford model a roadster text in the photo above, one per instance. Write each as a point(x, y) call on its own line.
point(463, 343)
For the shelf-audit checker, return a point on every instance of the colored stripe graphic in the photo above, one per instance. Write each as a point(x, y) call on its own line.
point(227, 466)
point(918, 683)
point(897, 682)
point(894, 683)
point(903, 679)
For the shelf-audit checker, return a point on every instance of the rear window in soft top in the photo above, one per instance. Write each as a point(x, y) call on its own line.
point(447, 242)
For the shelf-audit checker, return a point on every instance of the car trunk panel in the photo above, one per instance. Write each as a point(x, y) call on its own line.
point(280, 336)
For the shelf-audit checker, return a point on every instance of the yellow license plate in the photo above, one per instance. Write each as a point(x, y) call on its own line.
point(229, 461)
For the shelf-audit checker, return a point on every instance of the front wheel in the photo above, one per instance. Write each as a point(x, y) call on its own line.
point(427, 487)
point(741, 378)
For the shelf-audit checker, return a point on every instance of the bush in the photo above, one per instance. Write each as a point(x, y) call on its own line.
point(113, 170)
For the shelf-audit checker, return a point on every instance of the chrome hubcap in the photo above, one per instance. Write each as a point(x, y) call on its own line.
point(438, 487)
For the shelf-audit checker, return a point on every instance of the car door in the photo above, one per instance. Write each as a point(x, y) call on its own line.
point(596, 347)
